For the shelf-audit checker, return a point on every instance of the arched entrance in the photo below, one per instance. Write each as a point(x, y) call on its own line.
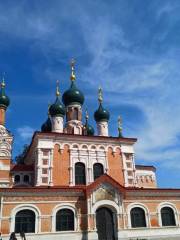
point(105, 224)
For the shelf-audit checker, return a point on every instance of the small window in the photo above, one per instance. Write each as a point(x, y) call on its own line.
point(80, 177)
point(25, 221)
point(167, 216)
point(26, 178)
point(138, 217)
point(45, 161)
point(65, 220)
point(44, 171)
point(75, 114)
point(17, 178)
point(98, 170)
point(44, 180)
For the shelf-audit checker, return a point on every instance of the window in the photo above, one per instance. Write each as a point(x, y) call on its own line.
point(17, 178)
point(45, 161)
point(138, 217)
point(75, 114)
point(98, 170)
point(44, 171)
point(44, 180)
point(65, 220)
point(167, 216)
point(80, 177)
point(25, 221)
point(26, 178)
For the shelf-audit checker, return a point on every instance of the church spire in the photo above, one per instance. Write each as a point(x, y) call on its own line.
point(4, 102)
point(100, 95)
point(73, 76)
point(57, 89)
point(120, 126)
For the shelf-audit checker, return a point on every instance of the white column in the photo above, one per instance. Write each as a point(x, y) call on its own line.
point(124, 170)
point(51, 168)
point(38, 166)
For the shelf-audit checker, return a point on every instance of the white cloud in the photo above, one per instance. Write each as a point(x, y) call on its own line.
point(25, 132)
point(150, 81)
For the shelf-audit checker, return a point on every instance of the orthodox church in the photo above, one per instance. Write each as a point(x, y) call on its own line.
point(77, 183)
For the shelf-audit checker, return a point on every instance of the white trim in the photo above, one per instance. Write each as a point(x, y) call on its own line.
point(26, 207)
point(105, 203)
point(173, 207)
point(140, 205)
point(64, 206)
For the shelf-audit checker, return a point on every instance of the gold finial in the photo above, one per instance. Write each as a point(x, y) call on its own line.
point(57, 89)
point(120, 126)
point(87, 115)
point(73, 77)
point(100, 95)
point(3, 81)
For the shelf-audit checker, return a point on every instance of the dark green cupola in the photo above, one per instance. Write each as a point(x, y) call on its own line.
point(4, 99)
point(89, 130)
point(73, 95)
point(101, 114)
point(57, 108)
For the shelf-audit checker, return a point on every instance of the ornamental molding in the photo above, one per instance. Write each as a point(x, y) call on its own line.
point(5, 142)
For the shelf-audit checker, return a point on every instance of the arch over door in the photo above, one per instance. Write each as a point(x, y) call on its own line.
point(105, 224)
point(167, 216)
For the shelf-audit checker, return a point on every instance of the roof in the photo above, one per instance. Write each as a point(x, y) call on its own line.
point(22, 167)
point(144, 167)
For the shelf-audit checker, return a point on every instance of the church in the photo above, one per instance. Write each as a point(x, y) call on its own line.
point(77, 183)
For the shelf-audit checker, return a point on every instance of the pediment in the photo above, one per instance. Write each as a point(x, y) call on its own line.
point(104, 192)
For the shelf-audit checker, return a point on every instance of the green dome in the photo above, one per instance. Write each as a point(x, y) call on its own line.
point(101, 114)
point(90, 130)
point(47, 126)
point(57, 109)
point(4, 100)
point(73, 96)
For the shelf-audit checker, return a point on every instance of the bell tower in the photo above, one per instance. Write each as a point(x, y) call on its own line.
point(5, 140)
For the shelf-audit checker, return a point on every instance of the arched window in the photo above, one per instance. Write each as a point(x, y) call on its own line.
point(138, 217)
point(65, 220)
point(167, 216)
point(26, 178)
point(98, 170)
point(25, 221)
point(80, 177)
point(75, 114)
point(17, 178)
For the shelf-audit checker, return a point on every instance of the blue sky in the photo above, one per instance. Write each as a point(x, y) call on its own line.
point(129, 47)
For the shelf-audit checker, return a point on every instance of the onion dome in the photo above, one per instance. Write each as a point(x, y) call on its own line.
point(101, 114)
point(57, 108)
point(73, 95)
point(4, 99)
point(47, 126)
point(89, 129)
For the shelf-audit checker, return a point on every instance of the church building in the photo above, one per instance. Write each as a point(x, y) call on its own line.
point(75, 183)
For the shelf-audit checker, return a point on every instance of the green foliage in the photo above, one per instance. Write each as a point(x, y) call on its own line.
point(19, 159)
